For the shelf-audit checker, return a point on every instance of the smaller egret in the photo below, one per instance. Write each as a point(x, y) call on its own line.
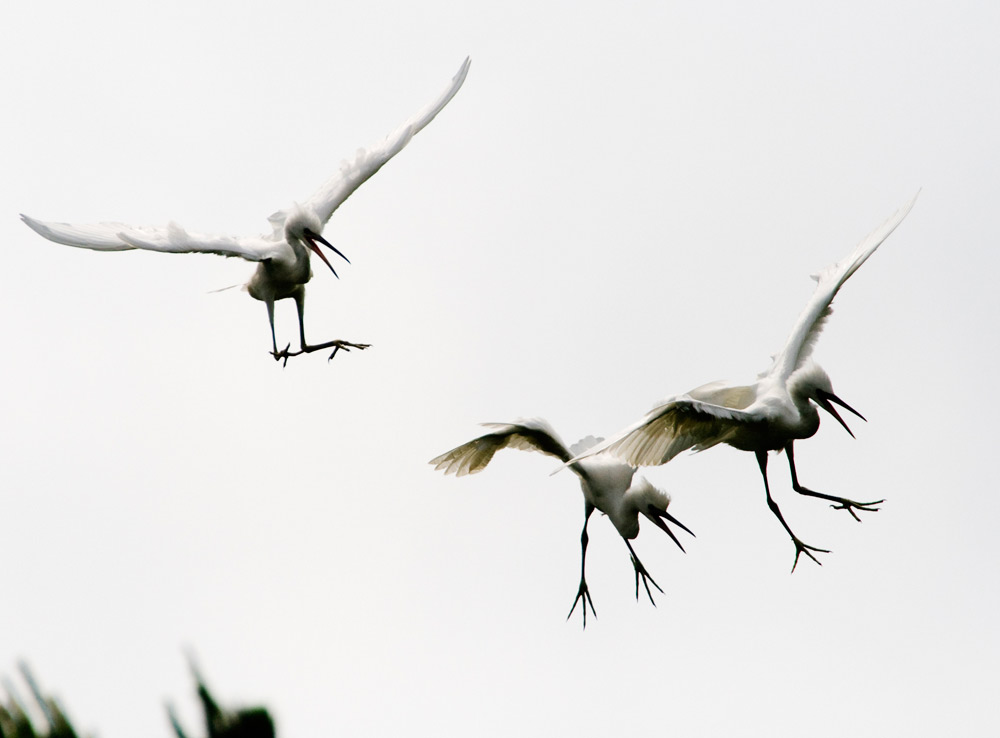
point(607, 485)
point(768, 415)
point(282, 256)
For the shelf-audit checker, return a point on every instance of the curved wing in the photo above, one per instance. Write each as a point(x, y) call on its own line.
point(677, 425)
point(368, 161)
point(526, 435)
point(800, 343)
point(172, 239)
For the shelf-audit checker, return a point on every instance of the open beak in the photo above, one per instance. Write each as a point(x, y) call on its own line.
point(657, 515)
point(312, 239)
point(824, 400)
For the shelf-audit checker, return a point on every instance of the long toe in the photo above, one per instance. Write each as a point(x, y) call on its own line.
point(640, 571)
point(805, 548)
point(347, 346)
point(583, 594)
point(851, 506)
point(645, 583)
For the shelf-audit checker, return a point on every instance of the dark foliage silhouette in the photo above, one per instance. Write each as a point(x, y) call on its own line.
point(251, 722)
point(15, 712)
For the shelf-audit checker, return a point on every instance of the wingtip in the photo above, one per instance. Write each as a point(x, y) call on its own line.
point(462, 72)
point(36, 225)
point(909, 205)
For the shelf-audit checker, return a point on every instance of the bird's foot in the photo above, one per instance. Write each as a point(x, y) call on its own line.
point(840, 503)
point(640, 571)
point(346, 346)
point(851, 506)
point(583, 594)
point(285, 353)
point(805, 548)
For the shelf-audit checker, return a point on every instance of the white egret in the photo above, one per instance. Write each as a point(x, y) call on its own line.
point(282, 255)
point(768, 415)
point(607, 485)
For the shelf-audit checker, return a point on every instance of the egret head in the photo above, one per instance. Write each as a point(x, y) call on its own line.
point(304, 226)
point(815, 384)
point(653, 503)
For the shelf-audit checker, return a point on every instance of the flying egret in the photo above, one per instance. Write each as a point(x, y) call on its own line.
point(282, 255)
point(768, 415)
point(607, 486)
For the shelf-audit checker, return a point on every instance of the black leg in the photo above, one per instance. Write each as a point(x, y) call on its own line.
point(800, 547)
point(270, 320)
point(305, 348)
point(842, 502)
point(300, 309)
point(583, 593)
point(640, 571)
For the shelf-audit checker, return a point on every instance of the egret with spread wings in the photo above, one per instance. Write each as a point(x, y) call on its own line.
point(607, 485)
point(282, 256)
point(768, 415)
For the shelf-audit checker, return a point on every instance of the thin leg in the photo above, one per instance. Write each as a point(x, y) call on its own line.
point(584, 592)
point(800, 547)
point(640, 571)
point(305, 348)
point(300, 309)
point(842, 502)
point(270, 319)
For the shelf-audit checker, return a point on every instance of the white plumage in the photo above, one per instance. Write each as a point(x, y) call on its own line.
point(608, 485)
point(283, 254)
point(768, 415)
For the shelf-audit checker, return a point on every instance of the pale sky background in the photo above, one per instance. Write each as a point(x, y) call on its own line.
point(623, 202)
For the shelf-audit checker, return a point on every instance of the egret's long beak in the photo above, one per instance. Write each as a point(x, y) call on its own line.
point(656, 515)
point(824, 400)
point(312, 238)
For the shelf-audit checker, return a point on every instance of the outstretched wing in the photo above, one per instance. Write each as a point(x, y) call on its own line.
point(672, 427)
point(368, 161)
point(526, 435)
point(172, 239)
point(800, 343)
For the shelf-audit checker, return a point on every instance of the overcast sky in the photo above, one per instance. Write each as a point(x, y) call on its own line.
point(623, 202)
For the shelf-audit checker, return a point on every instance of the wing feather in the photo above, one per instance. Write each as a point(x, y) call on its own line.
point(525, 435)
point(171, 239)
point(677, 425)
point(798, 348)
point(175, 240)
point(368, 161)
point(98, 236)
